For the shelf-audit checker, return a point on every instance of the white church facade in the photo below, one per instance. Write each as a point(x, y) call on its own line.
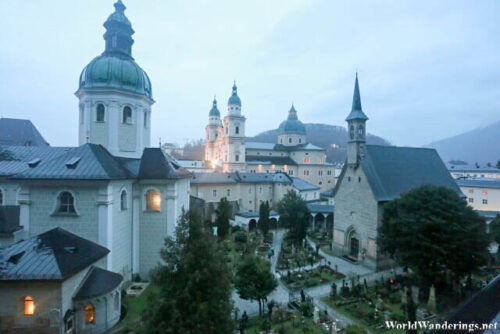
point(113, 189)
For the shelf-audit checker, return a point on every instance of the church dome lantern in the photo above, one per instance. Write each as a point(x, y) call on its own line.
point(292, 124)
point(115, 68)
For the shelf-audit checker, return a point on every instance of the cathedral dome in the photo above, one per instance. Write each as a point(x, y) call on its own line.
point(116, 67)
point(109, 71)
point(292, 124)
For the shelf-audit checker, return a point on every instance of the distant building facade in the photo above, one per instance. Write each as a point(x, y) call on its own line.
point(227, 149)
point(371, 176)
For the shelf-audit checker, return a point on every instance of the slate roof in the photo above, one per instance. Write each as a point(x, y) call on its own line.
point(320, 208)
point(237, 177)
point(20, 132)
point(472, 168)
point(86, 162)
point(269, 160)
point(392, 171)
point(53, 255)
point(156, 164)
point(356, 110)
point(481, 308)
point(479, 183)
point(280, 147)
point(213, 178)
point(14, 159)
point(328, 193)
point(98, 282)
point(302, 185)
point(255, 214)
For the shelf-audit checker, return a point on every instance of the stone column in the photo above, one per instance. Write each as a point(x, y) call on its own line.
point(136, 207)
point(105, 221)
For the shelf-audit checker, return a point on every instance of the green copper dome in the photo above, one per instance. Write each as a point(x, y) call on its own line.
point(214, 111)
point(292, 124)
point(116, 68)
point(114, 72)
point(234, 99)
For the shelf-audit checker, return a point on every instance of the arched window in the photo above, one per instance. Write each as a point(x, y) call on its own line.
point(300, 140)
point(290, 140)
point(123, 200)
point(237, 130)
point(117, 302)
point(127, 115)
point(66, 203)
point(89, 314)
point(352, 132)
point(99, 117)
point(1, 197)
point(360, 130)
point(145, 119)
point(29, 306)
point(153, 200)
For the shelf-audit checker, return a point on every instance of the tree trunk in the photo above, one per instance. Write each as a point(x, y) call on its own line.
point(260, 307)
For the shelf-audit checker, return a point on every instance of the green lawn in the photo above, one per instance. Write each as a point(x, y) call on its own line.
point(298, 325)
point(135, 306)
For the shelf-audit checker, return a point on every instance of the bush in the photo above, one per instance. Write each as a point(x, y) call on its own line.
point(241, 238)
point(395, 298)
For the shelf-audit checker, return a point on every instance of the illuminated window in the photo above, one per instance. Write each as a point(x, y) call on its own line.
point(100, 113)
point(485, 191)
point(320, 160)
point(307, 160)
point(29, 306)
point(89, 314)
point(153, 200)
point(66, 203)
point(123, 200)
point(127, 115)
point(471, 190)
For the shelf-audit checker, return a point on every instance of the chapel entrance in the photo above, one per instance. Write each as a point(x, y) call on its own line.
point(354, 248)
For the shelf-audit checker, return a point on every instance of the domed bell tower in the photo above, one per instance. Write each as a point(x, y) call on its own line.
point(356, 129)
point(234, 135)
point(115, 95)
point(214, 123)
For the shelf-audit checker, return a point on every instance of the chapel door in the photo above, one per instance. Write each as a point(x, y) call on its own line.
point(354, 247)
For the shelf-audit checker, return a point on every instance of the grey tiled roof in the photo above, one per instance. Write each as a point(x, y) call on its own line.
point(392, 171)
point(320, 208)
point(328, 193)
point(213, 178)
point(237, 177)
point(91, 161)
point(302, 185)
point(259, 146)
point(156, 164)
point(480, 183)
point(20, 132)
point(53, 255)
point(14, 159)
point(269, 160)
point(280, 147)
point(255, 214)
point(98, 282)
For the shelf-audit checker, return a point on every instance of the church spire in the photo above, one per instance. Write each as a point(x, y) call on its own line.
point(119, 33)
point(356, 110)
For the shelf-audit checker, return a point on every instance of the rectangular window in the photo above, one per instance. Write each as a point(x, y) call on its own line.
point(228, 192)
point(214, 193)
point(485, 201)
point(237, 157)
point(485, 192)
point(250, 190)
point(320, 173)
point(320, 160)
point(471, 200)
point(145, 119)
point(290, 172)
point(471, 191)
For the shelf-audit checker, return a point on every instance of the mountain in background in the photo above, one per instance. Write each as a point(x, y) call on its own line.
point(481, 145)
point(333, 138)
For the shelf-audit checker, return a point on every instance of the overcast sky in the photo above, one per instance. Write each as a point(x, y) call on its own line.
point(427, 69)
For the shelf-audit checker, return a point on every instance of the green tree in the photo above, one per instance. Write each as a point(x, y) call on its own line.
point(264, 217)
point(222, 220)
point(193, 284)
point(495, 233)
point(294, 212)
point(254, 280)
point(433, 231)
point(498, 164)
